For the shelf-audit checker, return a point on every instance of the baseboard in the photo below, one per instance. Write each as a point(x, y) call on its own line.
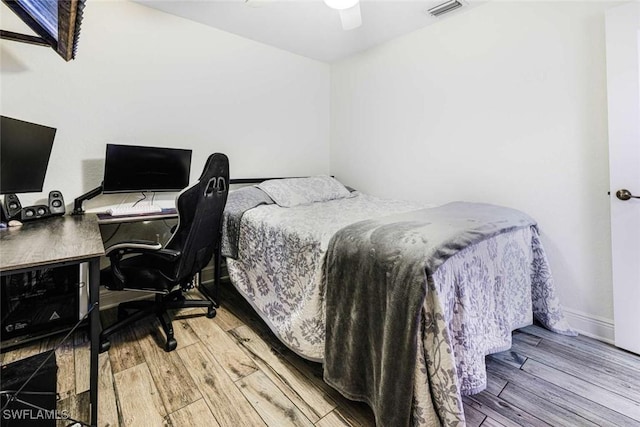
point(591, 326)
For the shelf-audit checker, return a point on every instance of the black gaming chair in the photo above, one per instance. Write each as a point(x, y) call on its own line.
point(167, 271)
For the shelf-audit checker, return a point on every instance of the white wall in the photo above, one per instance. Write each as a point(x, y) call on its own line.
point(145, 77)
point(505, 104)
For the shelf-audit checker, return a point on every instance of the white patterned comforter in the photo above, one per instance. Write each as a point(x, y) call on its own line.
point(487, 290)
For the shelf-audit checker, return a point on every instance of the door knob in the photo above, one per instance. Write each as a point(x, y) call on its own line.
point(625, 195)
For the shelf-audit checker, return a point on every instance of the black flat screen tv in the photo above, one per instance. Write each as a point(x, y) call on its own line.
point(132, 169)
point(25, 149)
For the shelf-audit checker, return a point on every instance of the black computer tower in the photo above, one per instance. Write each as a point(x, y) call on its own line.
point(40, 302)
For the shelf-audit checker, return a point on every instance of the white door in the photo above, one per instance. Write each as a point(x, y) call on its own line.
point(623, 88)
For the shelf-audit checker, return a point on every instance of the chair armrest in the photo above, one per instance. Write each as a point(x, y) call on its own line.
point(119, 250)
point(140, 246)
point(166, 254)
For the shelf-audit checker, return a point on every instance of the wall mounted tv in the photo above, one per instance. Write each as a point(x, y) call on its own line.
point(56, 23)
point(25, 149)
point(132, 169)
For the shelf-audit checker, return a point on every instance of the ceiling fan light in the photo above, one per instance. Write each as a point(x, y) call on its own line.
point(341, 4)
point(351, 17)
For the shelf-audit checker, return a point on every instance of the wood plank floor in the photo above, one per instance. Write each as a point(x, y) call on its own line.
point(232, 371)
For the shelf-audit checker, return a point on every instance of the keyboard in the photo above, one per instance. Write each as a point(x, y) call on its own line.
point(134, 210)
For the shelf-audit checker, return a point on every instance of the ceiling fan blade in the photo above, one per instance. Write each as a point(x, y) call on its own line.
point(351, 17)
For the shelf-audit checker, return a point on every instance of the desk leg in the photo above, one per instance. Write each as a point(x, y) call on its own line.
point(94, 322)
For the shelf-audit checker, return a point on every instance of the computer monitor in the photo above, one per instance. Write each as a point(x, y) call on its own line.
point(24, 155)
point(131, 169)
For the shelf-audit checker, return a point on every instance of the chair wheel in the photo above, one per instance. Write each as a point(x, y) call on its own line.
point(170, 345)
point(105, 345)
point(211, 313)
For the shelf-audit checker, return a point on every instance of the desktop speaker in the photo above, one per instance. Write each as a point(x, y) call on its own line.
point(12, 206)
point(34, 212)
point(56, 203)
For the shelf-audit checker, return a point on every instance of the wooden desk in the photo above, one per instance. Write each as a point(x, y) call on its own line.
point(55, 242)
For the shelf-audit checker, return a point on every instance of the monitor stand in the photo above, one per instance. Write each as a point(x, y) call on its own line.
point(77, 203)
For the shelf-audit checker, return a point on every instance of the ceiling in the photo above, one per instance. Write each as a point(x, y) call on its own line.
point(308, 27)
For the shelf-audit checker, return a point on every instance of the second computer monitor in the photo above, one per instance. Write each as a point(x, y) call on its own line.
point(132, 168)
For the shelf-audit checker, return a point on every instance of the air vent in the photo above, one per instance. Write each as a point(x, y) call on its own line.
point(445, 7)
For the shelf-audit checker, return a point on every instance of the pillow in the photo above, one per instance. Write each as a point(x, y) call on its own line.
point(291, 192)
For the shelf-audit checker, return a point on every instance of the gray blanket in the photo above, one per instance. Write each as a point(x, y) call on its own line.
point(376, 283)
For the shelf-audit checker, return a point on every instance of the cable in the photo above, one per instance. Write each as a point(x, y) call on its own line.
point(144, 196)
point(112, 234)
point(15, 396)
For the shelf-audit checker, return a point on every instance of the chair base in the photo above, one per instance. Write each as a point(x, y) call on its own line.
point(159, 307)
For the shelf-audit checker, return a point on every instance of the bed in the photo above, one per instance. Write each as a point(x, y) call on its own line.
point(342, 278)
